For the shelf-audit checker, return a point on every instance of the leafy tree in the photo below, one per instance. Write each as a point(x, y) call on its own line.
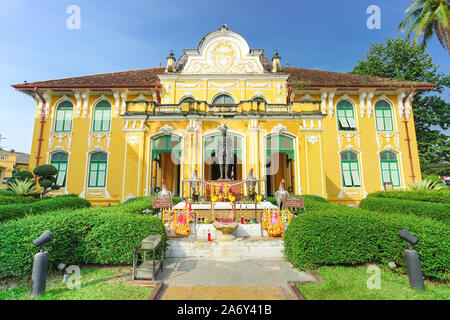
point(46, 174)
point(428, 17)
point(398, 58)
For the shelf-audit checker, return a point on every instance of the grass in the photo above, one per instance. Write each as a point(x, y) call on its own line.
point(349, 283)
point(97, 283)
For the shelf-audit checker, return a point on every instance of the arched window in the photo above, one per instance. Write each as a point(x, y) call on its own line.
point(383, 116)
point(389, 168)
point(59, 161)
point(102, 116)
point(223, 99)
point(166, 143)
point(212, 145)
point(279, 144)
point(97, 170)
point(345, 116)
point(350, 169)
point(259, 99)
point(63, 119)
point(187, 99)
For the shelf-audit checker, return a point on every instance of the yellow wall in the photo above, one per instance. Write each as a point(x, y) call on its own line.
point(318, 142)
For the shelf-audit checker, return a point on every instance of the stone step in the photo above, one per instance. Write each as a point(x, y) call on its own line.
point(240, 248)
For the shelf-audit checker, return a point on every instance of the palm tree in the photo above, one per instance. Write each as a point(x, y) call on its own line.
point(428, 17)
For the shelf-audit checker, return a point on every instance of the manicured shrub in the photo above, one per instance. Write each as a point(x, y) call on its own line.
point(114, 237)
point(15, 211)
point(5, 200)
point(90, 235)
point(439, 196)
point(338, 235)
point(438, 211)
point(68, 227)
point(7, 193)
point(137, 205)
point(311, 201)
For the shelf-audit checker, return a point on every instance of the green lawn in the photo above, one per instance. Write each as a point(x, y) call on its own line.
point(349, 283)
point(97, 283)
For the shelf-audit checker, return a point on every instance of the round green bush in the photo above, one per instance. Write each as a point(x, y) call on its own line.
point(337, 235)
point(45, 170)
point(438, 211)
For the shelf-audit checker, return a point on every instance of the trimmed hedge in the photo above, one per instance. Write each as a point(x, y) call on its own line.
point(15, 211)
point(114, 237)
point(438, 196)
point(90, 235)
point(6, 200)
point(138, 204)
point(338, 235)
point(438, 211)
point(7, 193)
point(311, 201)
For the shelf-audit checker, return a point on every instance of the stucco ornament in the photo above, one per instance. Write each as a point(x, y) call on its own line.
point(166, 129)
point(223, 51)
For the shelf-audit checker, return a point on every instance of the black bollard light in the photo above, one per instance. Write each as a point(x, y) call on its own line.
point(40, 265)
point(412, 261)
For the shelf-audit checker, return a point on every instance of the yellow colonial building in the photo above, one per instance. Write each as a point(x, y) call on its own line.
point(118, 135)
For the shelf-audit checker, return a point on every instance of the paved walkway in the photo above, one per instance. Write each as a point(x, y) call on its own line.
point(187, 278)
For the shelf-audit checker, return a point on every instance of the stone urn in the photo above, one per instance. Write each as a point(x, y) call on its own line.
point(225, 228)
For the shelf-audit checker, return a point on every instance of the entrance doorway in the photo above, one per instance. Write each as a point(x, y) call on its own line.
point(166, 163)
point(280, 163)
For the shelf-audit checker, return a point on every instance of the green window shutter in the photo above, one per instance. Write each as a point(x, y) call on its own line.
point(211, 145)
point(102, 117)
point(187, 99)
point(97, 170)
point(223, 99)
point(166, 143)
point(383, 116)
point(345, 116)
point(279, 144)
point(350, 169)
point(59, 161)
point(389, 168)
point(259, 99)
point(63, 117)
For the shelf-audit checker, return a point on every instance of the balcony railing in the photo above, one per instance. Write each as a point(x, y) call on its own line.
point(295, 107)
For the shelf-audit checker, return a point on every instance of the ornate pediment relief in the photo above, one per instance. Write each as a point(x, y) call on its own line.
point(223, 51)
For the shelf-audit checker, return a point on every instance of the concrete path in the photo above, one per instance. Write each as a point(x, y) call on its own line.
point(188, 278)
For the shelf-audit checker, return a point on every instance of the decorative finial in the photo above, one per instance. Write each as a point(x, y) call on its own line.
point(170, 62)
point(276, 62)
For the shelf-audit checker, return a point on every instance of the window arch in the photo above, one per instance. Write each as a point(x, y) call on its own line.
point(187, 99)
point(59, 160)
point(166, 143)
point(223, 99)
point(383, 116)
point(278, 144)
point(98, 164)
point(259, 99)
point(212, 145)
point(345, 116)
point(102, 116)
point(350, 169)
point(63, 118)
point(390, 172)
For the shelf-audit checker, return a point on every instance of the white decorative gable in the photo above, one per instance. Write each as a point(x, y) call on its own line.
point(223, 51)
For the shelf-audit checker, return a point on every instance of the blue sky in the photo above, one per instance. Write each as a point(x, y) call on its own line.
point(134, 34)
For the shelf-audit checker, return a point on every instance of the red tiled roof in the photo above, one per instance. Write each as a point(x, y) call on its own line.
point(143, 78)
point(316, 78)
point(147, 78)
